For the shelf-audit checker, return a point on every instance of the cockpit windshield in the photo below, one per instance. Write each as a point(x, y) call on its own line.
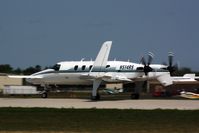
point(56, 67)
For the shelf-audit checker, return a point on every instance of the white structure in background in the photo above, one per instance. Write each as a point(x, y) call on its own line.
point(25, 90)
point(5, 80)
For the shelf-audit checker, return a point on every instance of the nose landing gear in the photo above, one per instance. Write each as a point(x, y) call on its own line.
point(44, 93)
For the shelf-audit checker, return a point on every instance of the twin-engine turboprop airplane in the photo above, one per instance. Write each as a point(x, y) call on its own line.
point(102, 71)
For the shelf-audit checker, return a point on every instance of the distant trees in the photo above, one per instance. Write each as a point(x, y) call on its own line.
point(183, 71)
point(6, 68)
point(31, 70)
point(17, 71)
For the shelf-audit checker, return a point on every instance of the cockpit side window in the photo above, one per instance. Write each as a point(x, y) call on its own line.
point(107, 66)
point(56, 67)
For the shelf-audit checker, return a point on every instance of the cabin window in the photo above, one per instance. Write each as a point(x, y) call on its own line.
point(90, 67)
point(107, 66)
point(83, 67)
point(76, 67)
point(140, 68)
point(164, 68)
point(56, 67)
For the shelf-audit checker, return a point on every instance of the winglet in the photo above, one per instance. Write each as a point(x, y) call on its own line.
point(102, 57)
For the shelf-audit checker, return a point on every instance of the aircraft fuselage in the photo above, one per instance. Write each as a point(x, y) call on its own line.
point(75, 72)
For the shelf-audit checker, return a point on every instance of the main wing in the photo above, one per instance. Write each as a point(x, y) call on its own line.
point(165, 79)
point(26, 77)
point(33, 76)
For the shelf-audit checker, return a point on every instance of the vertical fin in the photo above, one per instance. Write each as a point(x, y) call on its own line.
point(98, 66)
point(102, 57)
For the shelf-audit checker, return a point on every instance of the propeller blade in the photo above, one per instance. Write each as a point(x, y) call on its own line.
point(171, 68)
point(143, 61)
point(150, 58)
point(176, 66)
point(170, 58)
point(147, 67)
point(164, 63)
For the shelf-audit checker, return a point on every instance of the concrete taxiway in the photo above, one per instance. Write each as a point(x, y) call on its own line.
point(85, 103)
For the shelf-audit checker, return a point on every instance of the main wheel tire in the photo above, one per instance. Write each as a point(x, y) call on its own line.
point(44, 95)
point(135, 96)
point(95, 98)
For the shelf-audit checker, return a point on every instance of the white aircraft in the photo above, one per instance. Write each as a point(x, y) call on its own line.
point(103, 71)
point(189, 95)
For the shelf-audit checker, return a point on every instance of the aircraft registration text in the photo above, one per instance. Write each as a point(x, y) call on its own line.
point(126, 67)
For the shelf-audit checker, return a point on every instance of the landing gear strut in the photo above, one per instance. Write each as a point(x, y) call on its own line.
point(95, 94)
point(138, 86)
point(44, 93)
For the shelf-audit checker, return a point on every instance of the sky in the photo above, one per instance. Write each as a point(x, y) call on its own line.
point(44, 32)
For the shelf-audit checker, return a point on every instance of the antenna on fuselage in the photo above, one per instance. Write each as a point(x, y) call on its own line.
point(82, 59)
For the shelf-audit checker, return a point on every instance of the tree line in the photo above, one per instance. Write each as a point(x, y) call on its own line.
point(6, 68)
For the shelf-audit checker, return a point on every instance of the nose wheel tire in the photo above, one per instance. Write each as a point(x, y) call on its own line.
point(44, 95)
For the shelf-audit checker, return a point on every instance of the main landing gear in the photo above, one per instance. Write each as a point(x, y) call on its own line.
point(95, 94)
point(44, 95)
point(95, 98)
point(135, 96)
point(137, 87)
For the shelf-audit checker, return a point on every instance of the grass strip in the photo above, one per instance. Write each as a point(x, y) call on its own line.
point(98, 120)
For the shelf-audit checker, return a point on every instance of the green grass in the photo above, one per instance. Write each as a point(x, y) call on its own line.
point(98, 120)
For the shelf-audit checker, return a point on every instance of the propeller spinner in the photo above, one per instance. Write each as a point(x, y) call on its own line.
point(147, 67)
point(171, 68)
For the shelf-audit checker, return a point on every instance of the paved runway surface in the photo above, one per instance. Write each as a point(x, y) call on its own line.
point(84, 103)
